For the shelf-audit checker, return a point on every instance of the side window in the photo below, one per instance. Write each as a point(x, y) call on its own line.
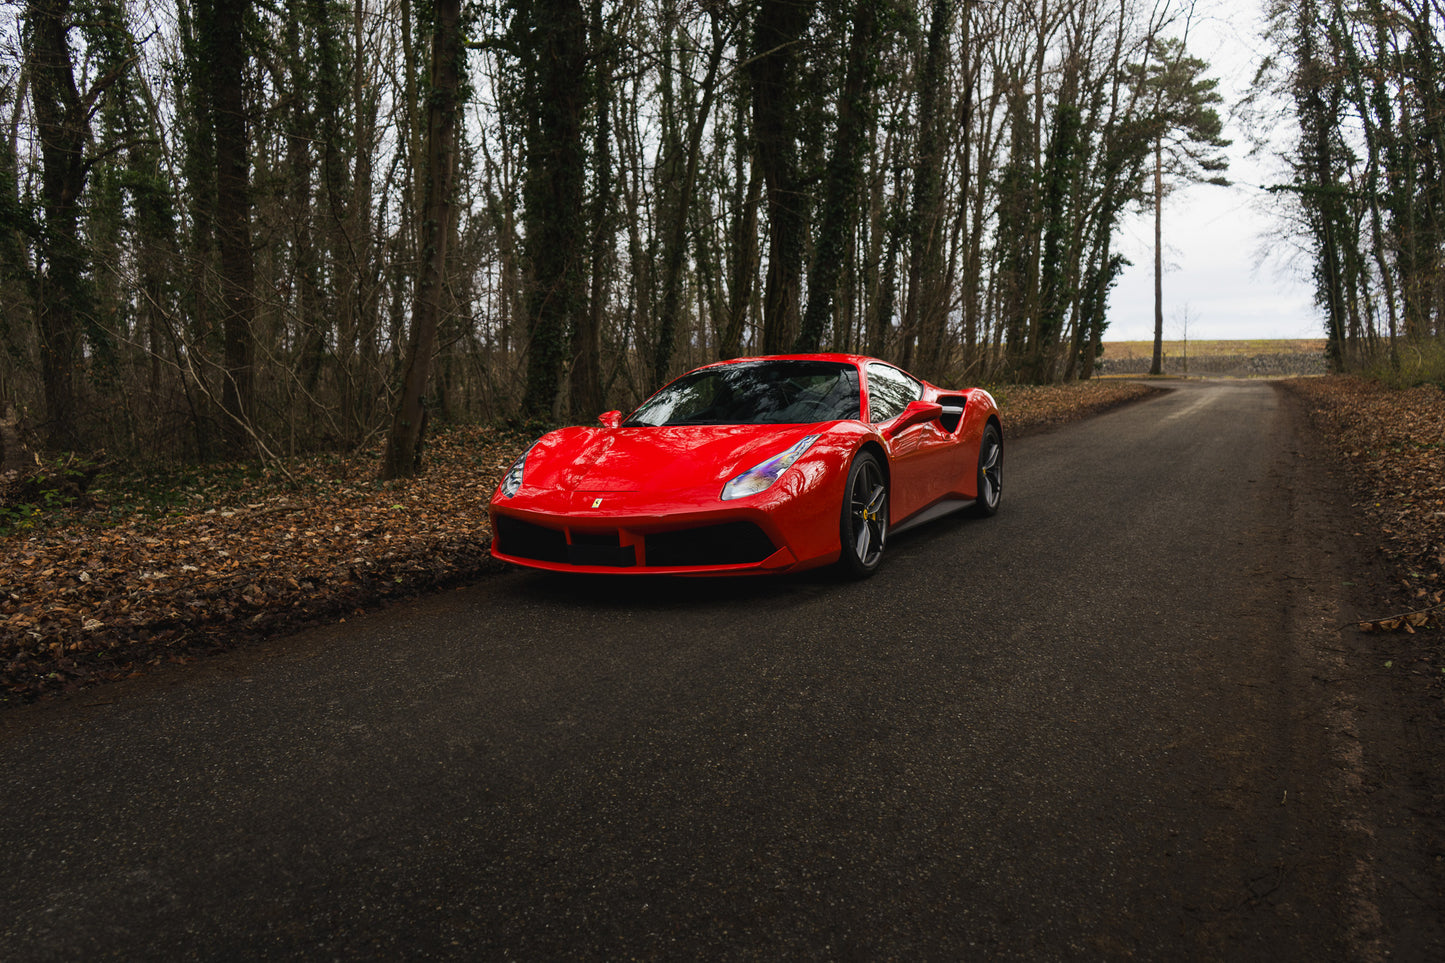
point(889, 392)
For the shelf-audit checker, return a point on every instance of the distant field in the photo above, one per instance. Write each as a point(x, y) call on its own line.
point(1121, 350)
point(1256, 358)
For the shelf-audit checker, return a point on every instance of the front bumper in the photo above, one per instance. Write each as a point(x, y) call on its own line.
point(641, 533)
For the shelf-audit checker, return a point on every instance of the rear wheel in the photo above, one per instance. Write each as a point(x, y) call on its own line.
point(990, 472)
point(863, 527)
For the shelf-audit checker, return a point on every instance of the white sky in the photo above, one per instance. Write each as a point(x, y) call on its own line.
point(1222, 270)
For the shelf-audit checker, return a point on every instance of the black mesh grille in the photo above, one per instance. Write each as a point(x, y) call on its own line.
point(734, 543)
point(525, 540)
point(600, 548)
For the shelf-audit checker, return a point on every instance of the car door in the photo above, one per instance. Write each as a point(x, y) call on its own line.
point(917, 454)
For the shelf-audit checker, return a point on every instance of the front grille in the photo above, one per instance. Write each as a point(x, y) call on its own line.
point(525, 540)
point(600, 548)
point(733, 543)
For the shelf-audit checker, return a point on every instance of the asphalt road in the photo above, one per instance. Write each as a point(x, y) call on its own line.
point(1118, 719)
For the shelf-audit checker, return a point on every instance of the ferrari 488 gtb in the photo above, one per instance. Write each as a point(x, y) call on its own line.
point(749, 466)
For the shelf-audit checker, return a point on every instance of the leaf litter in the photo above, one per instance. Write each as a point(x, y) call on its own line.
point(1393, 442)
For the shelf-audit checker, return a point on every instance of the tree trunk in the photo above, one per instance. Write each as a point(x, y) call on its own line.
point(675, 240)
point(64, 128)
point(841, 200)
point(403, 451)
point(924, 311)
point(773, 67)
point(880, 315)
point(358, 312)
point(1158, 365)
point(222, 24)
point(586, 375)
point(744, 268)
point(555, 173)
point(1058, 175)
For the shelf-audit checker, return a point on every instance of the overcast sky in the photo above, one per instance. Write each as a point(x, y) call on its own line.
point(1221, 268)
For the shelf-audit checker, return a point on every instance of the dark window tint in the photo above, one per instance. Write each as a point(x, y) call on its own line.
point(755, 393)
point(889, 392)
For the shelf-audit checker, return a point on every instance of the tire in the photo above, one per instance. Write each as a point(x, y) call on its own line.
point(863, 526)
point(990, 472)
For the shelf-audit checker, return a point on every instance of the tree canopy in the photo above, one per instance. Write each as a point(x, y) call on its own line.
point(1364, 170)
point(218, 221)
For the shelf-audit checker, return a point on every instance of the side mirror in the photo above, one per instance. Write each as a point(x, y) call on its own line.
point(917, 413)
point(610, 419)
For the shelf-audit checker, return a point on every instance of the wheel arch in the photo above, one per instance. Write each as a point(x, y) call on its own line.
point(872, 446)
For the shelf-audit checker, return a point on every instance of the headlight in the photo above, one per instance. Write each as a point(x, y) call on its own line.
point(761, 476)
point(513, 481)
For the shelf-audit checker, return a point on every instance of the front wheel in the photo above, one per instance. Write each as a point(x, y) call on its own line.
point(990, 472)
point(863, 527)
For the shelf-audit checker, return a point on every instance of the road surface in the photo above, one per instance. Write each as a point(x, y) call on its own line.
point(1118, 719)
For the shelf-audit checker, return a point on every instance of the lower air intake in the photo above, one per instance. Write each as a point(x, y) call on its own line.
point(525, 540)
point(734, 543)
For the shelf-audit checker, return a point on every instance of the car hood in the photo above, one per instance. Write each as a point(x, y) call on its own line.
point(643, 459)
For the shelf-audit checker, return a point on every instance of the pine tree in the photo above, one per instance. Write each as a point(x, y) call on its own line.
point(1188, 138)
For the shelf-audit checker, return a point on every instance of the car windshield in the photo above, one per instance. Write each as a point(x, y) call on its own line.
point(755, 393)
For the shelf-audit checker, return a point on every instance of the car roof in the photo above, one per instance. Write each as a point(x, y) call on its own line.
point(858, 360)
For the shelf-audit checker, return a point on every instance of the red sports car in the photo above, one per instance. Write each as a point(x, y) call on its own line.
point(750, 466)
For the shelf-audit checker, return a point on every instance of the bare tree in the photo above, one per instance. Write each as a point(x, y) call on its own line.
point(62, 119)
point(553, 39)
point(774, 66)
point(403, 449)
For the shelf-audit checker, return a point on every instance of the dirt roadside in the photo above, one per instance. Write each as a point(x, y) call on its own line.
point(1385, 796)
